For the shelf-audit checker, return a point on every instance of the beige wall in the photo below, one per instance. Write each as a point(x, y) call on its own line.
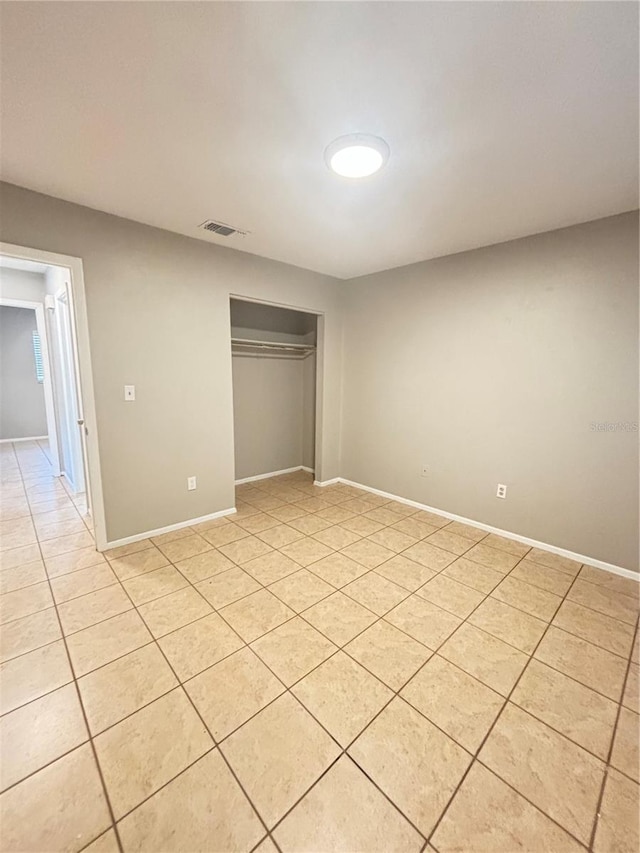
point(158, 307)
point(22, 411)
point(490, 366)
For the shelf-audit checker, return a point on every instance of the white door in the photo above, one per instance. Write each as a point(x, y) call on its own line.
point(72, 435)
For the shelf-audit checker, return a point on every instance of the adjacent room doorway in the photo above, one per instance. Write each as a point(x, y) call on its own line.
point(47, 391)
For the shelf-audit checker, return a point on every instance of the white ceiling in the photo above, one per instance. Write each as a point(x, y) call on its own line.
point(504, 119)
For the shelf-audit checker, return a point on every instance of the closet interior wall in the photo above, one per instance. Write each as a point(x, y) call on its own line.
point(274, 388)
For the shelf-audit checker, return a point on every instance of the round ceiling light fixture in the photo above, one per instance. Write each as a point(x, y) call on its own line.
point(357, 155)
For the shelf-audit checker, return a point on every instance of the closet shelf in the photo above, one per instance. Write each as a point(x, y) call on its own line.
point(271, 345)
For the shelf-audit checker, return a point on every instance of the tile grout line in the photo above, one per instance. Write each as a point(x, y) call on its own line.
point(335, 589)
point(287, 690)
point(474, 755)
point(608, 764)
point(439, 572)
point(395, 695)
point(520, 559)
point(442, 527)
point(343, 750)
point(378, 618)
point(487, 595)
point(362, 538)
point(84, 715)
point(180, 686)
point(240, 566)
point(249, 645)
point(485, 739)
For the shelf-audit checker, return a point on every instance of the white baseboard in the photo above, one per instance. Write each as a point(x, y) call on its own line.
point(308, 470)
point(168, 529)
point(516, 537)
point(273, 474)
point(29, 438)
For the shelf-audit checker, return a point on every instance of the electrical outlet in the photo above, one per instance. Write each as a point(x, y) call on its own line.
point(502, 491)
point(424, 471)
point(191, 483)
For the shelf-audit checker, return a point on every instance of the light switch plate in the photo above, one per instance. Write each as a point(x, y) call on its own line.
point(129, 393)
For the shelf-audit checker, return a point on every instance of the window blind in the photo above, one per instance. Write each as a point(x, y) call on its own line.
point(37, 355)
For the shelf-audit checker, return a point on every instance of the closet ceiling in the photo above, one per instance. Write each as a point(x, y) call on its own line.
point(504, 119)
point(271, 318)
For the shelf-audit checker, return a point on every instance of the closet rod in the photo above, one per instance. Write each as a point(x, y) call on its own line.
point(243, 342)
point(279, 356)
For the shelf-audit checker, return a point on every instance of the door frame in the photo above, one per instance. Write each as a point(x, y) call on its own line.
point(41, 327)
point(319, 355)
point(82, 352)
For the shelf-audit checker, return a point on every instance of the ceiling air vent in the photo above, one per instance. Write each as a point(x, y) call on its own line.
point(221, 229)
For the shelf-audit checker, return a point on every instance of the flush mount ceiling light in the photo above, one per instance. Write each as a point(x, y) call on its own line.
point(357, 155)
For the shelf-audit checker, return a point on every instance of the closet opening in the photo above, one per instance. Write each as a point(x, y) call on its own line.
point(274, 362)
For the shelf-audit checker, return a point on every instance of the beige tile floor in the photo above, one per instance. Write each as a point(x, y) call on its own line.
point(325, 670)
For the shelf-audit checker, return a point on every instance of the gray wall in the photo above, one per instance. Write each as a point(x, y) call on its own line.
point(309, 411)
point(267, 405)
point(490, 366)
point(22, 411)
point(274, 413)
point(158, 307)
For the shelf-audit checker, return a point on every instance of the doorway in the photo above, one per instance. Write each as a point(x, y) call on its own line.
point(26, 404)
point(274, 364)
point(53, 379)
